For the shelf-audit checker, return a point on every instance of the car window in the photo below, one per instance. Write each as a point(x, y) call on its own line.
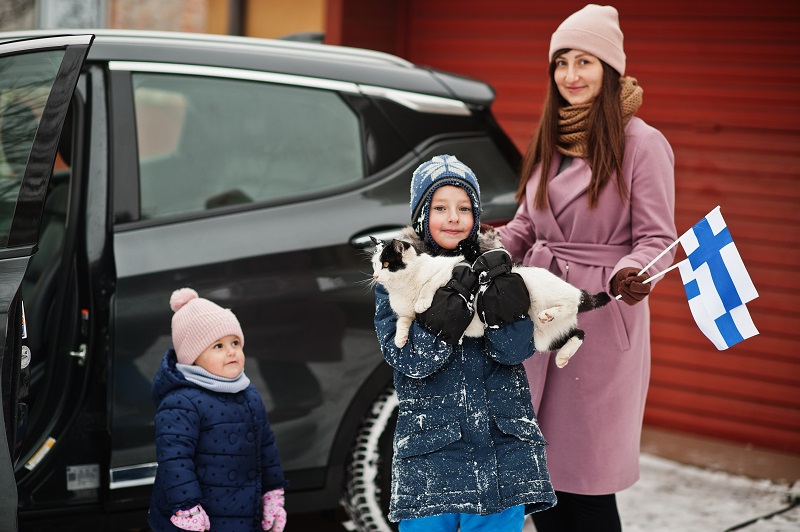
point(25, 84)
point(207, 142)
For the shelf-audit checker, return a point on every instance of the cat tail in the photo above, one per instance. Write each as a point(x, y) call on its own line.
point(591, 302)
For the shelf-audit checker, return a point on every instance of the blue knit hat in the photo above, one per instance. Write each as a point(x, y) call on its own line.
point(439, 171)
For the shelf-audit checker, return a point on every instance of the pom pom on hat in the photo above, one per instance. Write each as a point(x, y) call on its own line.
point(180, 297)
point(593, 29)
point(198, 323)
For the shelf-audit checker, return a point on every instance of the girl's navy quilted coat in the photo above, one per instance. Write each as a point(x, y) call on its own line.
point(213, 449)
point(467, 439)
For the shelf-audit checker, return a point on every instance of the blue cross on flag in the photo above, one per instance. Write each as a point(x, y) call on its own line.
point(716, 282)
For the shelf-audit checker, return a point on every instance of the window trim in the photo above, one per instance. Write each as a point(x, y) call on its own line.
point(423, 103)
point(41, 44)
point(233, 73)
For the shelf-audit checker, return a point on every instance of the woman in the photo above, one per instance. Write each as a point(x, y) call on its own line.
point(596, 206)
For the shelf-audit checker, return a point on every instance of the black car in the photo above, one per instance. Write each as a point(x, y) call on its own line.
point(254, 171)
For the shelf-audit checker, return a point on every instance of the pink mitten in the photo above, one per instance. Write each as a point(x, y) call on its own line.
point(192, 519)
point(273, 512)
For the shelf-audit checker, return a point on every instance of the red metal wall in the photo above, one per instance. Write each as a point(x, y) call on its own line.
point(721, 81)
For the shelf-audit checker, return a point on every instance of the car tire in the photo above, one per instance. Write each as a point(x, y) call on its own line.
point(369, 471)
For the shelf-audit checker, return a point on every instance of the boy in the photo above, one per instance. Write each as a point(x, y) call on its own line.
point(468, 451)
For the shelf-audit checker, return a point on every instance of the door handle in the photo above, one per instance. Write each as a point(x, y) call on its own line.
point(363, 239)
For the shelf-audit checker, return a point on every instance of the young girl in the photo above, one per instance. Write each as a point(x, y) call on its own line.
point(468, 453)
point(596, 205)
point(217, 459)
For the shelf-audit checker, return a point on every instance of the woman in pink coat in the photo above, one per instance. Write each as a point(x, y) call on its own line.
point(603, 211)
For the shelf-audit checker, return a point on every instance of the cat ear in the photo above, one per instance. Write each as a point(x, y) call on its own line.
point(400, 245)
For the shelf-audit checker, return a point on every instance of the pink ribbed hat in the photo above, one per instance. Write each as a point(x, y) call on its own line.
point(594, 29)
point(198, 323)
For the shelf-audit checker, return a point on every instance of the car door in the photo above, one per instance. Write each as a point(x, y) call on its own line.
point(37, 80)
point(247, 188)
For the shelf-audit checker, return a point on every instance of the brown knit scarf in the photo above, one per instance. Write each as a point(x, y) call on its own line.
point(574, 119)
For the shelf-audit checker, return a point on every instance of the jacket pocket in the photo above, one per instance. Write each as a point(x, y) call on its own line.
point(619, 327)
point(524, 429)
point(426, 441)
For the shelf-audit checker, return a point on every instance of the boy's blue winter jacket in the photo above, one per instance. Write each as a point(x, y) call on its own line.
point(213, 449)
point(467, 439)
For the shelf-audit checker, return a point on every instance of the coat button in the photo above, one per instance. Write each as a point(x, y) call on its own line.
point(233, 438)
point(232, 475)
point(251, 437)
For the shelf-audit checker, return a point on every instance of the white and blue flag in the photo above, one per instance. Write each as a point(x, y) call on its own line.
point(716, 282)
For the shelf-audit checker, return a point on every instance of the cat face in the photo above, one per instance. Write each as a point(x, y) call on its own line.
point(389, 258)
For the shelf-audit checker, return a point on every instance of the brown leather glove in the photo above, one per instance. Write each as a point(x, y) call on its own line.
point(629, 285)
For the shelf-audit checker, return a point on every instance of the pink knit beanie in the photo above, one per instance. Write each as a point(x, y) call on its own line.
point(198, 323)
point(594, 29)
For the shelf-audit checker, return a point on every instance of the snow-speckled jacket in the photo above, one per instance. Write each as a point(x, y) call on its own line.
point(467, 440)
point(213, 449)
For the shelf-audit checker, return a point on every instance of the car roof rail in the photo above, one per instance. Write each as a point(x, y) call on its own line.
point(119, 35)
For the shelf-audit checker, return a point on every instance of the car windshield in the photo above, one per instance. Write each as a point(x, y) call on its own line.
point(25, 84)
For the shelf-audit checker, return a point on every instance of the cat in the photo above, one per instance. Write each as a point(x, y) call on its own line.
point(411, 277)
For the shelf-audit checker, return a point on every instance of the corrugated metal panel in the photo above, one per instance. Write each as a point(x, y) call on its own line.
point(721, 82)
point(367, 24)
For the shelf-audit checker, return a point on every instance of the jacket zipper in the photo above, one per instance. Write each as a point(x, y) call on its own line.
point(566, 272)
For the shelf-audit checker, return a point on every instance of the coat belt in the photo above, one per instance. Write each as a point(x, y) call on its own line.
point(607, 255)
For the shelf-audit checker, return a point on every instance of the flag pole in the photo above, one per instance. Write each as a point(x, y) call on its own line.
point(659, 274)
point(659, 256)
point(654, 261)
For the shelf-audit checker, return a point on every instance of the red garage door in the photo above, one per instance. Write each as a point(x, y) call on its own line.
point(721, 81)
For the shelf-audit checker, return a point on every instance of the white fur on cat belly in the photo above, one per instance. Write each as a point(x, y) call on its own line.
point(553, 310)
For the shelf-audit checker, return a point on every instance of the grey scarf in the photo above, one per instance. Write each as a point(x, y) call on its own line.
point(212, 382)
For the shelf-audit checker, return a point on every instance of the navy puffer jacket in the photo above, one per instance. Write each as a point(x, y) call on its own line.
point(467, 439)
point(213, 449)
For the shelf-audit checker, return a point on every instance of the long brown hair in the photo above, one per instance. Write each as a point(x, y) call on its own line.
point(606, 139)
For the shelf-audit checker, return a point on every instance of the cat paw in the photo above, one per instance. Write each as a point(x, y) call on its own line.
point(544, 317)
point(421, 306)
point(567, 351)
point(400, 340)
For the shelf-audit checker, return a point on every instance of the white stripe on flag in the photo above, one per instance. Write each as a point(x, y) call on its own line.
point(715, 220)
point(741, 279)
point(699, 312)
point(710, 296)
point(743, 321)
point(689, 241)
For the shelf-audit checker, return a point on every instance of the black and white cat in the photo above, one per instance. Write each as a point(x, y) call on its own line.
point(411, 278)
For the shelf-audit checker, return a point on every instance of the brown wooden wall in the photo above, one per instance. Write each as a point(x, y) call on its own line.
point(721, 80)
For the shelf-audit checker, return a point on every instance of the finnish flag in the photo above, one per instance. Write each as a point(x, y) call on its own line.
point(716, 282)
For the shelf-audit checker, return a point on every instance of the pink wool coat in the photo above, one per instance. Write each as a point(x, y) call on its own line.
point(590, 412)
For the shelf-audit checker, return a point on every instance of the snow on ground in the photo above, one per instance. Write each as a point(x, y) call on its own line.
point(673, 497)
